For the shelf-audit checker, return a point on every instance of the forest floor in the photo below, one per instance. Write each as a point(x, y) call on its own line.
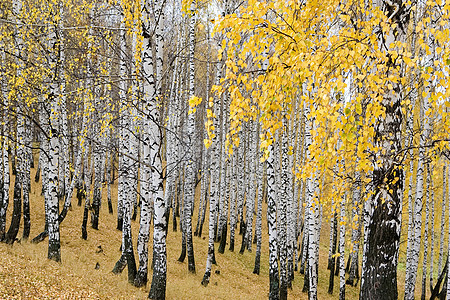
point(26, 273)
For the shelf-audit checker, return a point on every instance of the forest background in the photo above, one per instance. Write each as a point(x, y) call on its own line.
point(291, 122)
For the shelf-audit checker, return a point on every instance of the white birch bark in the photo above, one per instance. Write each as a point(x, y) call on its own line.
point(312, 207)
point(445, 190)
point(282, 219)
point(171, 152)
point(214, 188)
point(158, 287)
point(241, 185)
point(258, 223)
point(145, 172)
point(13, 230)
point(5, 159)
point(432, 234)
point(64, 167)
point(54, 251)
point(26, 181)
point(124, 188)
point(272, 226)
point(226, 203)
point(134, 124)
point(448, 260)
point(356, 229)
point(121, 193)
point(411, 268)
point(233, 200)
point(426, 234)
point(253, 147)
point(292, 214)
point(223, 167)
point(190, 164)
point(342, 249)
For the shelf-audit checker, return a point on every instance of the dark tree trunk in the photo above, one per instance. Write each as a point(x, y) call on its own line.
point(176, 209)
point(241, 225)
point(223, 239)
point(135, 210)
point(96, 207)
point(306, 277)
point(200, 230)
point(131, 262)
point(435, 291)
point(174, 221)
point(113, 177)
point(380, 277)
point(119, 224)
point(38, 174)
point(183, 245)
point(331, 277)
point(257, 264)
point(214, 262)
point(3, 209)
point(216, 224)
point(231, 244)
point(63, 213)
point(244, 242)
point(26, 187)
point(332, 261)
point(13, 166)
point(26, 215)
point(383, 211)
point(349, 261)
point(338, 261)
point(41, 236)
point(120, 264)
point(167, 218)
point(302, 249)
point(177, 206)
point(84, 224)
point(11, 235)
point(80, 194)
point(354, 273)
point(110, 207)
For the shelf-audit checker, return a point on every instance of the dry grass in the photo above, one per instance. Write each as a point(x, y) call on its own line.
point(25, 272)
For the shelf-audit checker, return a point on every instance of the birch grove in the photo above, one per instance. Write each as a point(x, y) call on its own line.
point(260, 133)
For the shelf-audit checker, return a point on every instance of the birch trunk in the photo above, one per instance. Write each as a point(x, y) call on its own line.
point(312, 206)
point(332, 263)
point(380, 257)
point(52, 206)
point(412, 264)
point(190, 164)
point(145, 171)
point(356, 231)
point(258, 224)
point(5, 164)
point(342, 250)
point(253, 146)
point(26, 181)
point(274, 290)
point(425, 236)
point(158, 287)
point(214, 189)
point(283, 210)
point(432, 233)
point(127, 256)
point(97, 192)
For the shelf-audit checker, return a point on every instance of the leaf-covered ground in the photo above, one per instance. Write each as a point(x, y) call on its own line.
point(26, 273)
